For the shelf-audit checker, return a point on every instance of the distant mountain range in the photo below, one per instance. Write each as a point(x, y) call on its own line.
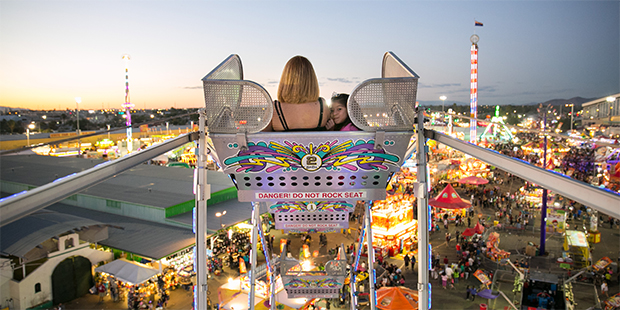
point(7, 109)
point(577, 101)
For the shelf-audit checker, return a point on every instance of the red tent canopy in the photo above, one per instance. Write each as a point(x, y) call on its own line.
point(397, 298)
point(479, 228)
point(468, 232)
point(474, 180)
point(448, 198)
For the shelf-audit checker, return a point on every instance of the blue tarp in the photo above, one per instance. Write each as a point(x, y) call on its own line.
point(487, 294)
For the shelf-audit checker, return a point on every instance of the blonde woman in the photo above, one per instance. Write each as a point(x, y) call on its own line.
point(299, 107)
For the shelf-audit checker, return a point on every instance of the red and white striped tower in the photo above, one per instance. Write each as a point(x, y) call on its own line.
point(127, 105)
point(473, 96)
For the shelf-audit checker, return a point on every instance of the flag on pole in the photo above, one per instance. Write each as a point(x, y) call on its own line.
point(477, 23)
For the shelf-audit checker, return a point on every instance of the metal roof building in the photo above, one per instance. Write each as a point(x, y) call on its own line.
point(147, 209)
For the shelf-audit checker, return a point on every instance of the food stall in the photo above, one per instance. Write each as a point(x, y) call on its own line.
point(577, 248)
point(393, 225)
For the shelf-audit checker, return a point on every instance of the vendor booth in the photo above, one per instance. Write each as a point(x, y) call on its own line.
point(393, 225)
point(577, 248)
point(128, 271)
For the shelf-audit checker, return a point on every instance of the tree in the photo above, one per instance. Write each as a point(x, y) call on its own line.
point(11, 125)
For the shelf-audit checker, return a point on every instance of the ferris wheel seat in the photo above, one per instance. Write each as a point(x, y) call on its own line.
point(302, 283)
point(310, 166)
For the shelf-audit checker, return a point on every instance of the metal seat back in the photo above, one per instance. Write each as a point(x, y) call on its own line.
point(310, 166)
point(233, 104)
point(386, 103)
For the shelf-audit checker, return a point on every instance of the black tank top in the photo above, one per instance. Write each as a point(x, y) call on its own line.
point(278, 108)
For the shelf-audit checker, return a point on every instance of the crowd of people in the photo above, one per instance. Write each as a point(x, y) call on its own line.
point(151, 294)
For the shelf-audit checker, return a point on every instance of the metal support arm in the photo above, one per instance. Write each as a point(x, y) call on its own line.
point(18, 206)
point(600, 199)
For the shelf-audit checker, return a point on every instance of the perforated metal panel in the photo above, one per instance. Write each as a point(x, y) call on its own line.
point(383, 104)
point(311, 166)
point(387, 103)
point(313, 284)
point(234, 105)
point(311, 216)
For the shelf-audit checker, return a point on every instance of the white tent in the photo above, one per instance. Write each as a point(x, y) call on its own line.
point(128, 271)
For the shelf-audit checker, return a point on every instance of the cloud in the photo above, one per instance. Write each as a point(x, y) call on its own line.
point(343, 80)
point(422, 85)
point(193, 87)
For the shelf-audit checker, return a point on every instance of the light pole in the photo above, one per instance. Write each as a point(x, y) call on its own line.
point(219, 215)
point(443, 100)
point(571, 115)
point(31, 126)
point(610, 101)
point(77, 114)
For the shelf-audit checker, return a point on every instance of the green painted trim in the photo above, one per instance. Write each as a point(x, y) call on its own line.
point(223, 195)
point(180, 208)
point(217, 197)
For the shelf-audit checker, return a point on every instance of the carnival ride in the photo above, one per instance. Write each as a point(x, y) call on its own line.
point(310, 180)
point(384, 108)
point(497, 130)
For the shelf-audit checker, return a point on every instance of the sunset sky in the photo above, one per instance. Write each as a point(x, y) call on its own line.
point(530, 51)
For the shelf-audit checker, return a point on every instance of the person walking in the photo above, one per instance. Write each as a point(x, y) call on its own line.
point(604, 289)
point(413, 261)
point(101, 290)
point(407, 260)
point(473, 292)
point(444, 280)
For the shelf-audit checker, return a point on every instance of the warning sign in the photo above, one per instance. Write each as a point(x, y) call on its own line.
point(310, 195)
point(310, 225)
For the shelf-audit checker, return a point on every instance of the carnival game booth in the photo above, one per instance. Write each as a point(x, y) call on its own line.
point(393, 225)
point(307, 170)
